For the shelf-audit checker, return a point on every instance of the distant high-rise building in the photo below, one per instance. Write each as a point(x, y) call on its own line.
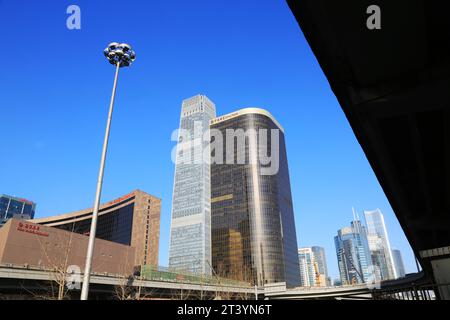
point(308, 265)
point(190, 235)
point(353, 254)
point(253, 227)
point(398, 263)
point(12, 207)
point(379, 245)
point(319, 256)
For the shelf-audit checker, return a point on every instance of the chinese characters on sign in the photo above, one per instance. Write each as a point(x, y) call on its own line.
point(30, 228)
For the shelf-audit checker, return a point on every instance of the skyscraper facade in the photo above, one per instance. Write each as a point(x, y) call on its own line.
point(308, 264)
point(319, 257)
point(253, 227)
point(353, 254)
point(190, 235)
point(398, 263)
point(379, 245)
point(13, 207)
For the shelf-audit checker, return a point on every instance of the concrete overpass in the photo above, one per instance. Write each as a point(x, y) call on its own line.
point(412, 287)
point(393, 85)
point(359, 292)
point(25, 282)
point(29, 281)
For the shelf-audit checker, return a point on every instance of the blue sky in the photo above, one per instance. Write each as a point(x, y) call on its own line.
point(55, 86)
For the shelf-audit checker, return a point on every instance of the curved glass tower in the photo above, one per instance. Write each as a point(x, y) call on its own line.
point(253, 228)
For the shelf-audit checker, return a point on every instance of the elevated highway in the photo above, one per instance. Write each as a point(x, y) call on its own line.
point(360, 292)
point(31, 281)
point(24, 282)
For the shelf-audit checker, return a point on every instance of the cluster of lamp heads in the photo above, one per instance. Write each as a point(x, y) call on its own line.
point(119, 53)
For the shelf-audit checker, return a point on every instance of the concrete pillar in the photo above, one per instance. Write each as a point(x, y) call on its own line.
point(441, 273)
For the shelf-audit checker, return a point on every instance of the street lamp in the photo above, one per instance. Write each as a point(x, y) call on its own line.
point(120, 55)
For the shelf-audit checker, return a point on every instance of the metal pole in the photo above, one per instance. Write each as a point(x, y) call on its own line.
point(256, 292)
point(90, 250)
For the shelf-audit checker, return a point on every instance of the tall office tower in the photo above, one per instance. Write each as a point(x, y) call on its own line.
point(253, 227)
point(398, 263)
point(308, 264)
point(190, 234)
point(12, 207)
point(353, 254)
point(319, 256)
point(379, 244)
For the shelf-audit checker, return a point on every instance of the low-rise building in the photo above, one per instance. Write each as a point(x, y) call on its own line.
point(132, 220)
point(28, 244)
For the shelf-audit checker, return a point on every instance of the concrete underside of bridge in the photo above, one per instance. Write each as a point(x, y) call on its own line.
point(393, 85)
point(29, 289)
point(35, 283)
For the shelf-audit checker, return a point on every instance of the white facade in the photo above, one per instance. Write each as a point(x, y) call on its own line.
point(379, 244)
point(190, 234)
point(307, 267)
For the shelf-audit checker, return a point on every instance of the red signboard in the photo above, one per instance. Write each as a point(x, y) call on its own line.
point(26, 201)
point(31, 228)
point(121, 198)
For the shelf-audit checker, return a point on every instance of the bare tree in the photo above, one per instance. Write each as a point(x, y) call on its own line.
point(131, 286)
point(56, 257)
point(182, 277)
point(241, 276)
point(124, 290)
point(145, 293)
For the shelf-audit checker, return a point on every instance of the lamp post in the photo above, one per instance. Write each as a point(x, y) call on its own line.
point(120, 55)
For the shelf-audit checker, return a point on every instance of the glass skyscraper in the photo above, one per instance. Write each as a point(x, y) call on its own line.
point(253, 227)
point(379, 244)
point(15, 207)
point(353, 254)
point(319, 256)
point(398, 263)
point(190, 235)
point(307, 265)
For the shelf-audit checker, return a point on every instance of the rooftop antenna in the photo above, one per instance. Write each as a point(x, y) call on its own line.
point(355, 220)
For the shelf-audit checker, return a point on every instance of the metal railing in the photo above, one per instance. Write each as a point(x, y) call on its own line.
point(413, 292)
point(158, 273)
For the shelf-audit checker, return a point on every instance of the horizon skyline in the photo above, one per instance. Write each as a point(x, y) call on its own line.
point(393, 248)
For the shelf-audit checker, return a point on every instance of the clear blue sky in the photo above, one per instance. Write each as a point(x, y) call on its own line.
point(55, 86)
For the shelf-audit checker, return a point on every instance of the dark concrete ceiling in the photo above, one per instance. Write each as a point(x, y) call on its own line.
point(394, 87)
